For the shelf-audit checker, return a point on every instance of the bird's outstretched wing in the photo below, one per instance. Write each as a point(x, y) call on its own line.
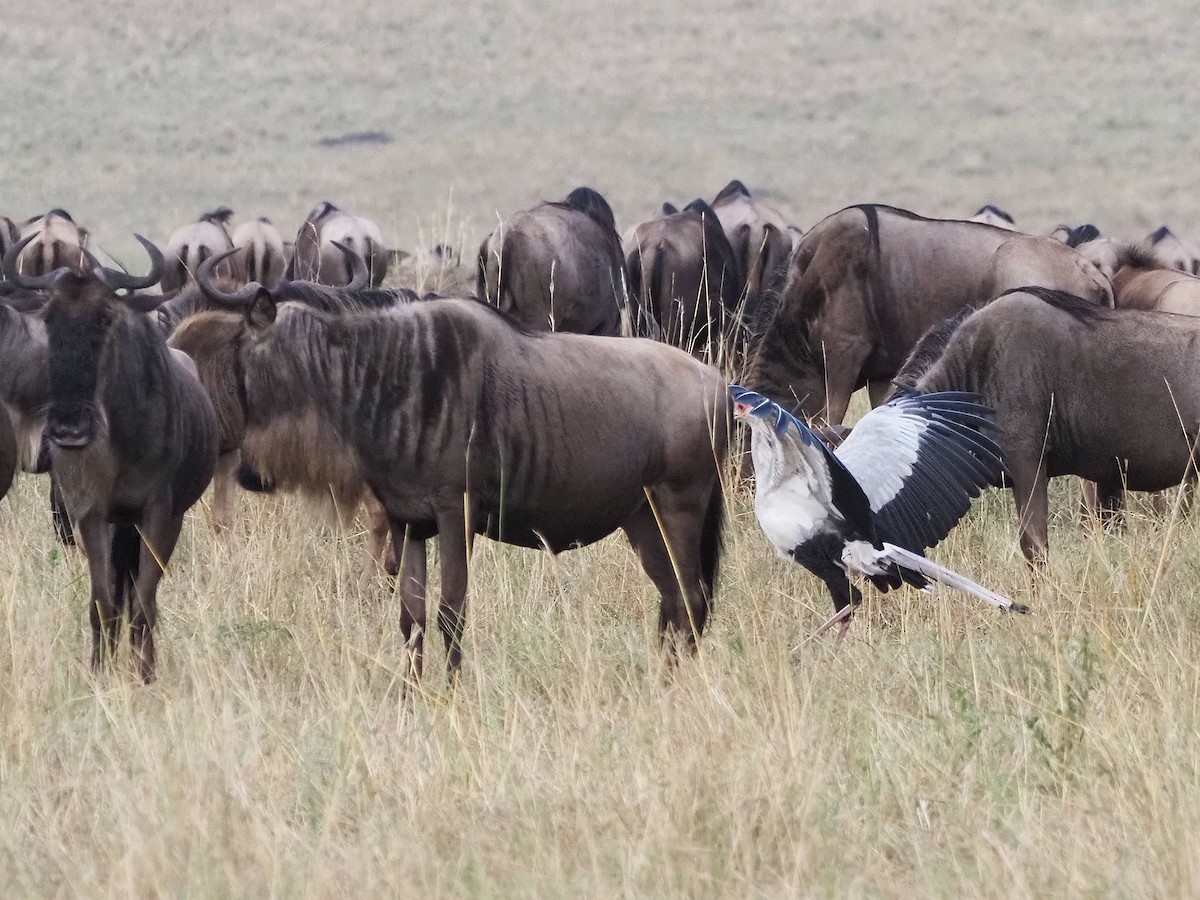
point(921, 459)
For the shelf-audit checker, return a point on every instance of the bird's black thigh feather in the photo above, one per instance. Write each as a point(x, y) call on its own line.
point(822, 556)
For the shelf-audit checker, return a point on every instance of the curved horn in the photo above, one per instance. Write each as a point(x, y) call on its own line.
point(115, 280)
point(358, 268)
point(32, 282)
point(237, 300)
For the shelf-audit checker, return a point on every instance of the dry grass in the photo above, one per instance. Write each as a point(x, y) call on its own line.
point(943, 750)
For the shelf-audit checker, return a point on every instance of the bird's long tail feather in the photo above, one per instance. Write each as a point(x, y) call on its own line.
point(941, 574)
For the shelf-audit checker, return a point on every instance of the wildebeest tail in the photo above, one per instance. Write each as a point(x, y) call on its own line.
point(126, 553)
point(711, 540)
point(590, 202)
point(1077, 307)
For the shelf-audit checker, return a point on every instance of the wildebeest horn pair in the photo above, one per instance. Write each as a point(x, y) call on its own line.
point(110, 278)
point(240, 298)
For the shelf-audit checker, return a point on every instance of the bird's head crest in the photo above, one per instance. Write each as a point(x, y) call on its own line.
point(751, 403)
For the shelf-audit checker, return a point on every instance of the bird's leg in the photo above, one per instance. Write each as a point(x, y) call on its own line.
point(845, 597)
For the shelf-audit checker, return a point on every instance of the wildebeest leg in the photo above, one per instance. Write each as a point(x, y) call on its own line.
point(1029, 487)
point(412, 597)
point(454, 546)
point(59, 515)
point(96, 536)
point(684, 601)
point(223, 481)
point(1110, 499)
point(878, 389)
point(159, 532)
point(382, 550)
point(844, 362)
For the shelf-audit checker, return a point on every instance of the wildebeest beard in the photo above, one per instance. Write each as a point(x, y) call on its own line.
point(356, 388)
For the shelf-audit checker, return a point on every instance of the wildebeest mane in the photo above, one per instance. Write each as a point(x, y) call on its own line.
point(927, 351)
point(1079, 309)
point(591, 204)
point(332, 299)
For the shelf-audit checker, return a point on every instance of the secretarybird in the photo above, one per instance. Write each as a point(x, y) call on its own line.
point(897, 485)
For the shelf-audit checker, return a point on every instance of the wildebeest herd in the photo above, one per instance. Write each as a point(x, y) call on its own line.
point(585, 387)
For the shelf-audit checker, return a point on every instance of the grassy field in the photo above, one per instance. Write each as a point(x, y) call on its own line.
point(942, 750)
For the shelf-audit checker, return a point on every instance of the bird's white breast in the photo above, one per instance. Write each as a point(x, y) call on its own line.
point(790, 512)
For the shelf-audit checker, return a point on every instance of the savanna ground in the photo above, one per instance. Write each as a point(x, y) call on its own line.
point(943, 749)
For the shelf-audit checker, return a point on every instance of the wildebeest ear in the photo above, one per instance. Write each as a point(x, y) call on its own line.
point(261, 311)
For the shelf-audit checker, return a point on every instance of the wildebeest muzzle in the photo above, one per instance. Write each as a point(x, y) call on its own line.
point(70, 427)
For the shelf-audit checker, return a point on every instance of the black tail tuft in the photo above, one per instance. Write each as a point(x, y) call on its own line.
point(711, 540)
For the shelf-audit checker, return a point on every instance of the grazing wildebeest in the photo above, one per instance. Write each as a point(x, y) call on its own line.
point(212, 348)
point(1174, 251)
point(315, 258)
point(683, 272)
point(558, 267)
point(760, 237)
point(989, 214)
point(55, 242)
point(192, 244)
point(866, 283)
point(462, 422)
point(1112, 396)
point(263, 259)
point(132, 439)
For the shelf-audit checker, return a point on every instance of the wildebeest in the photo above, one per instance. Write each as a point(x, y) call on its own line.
point(192, 244)
point(760, 237)
point(55, 242)
point(683, 272)
point(316, 258)
point(558, 267)
point(1109, 395)
point(866, 283)
point(1174, 251)
point(989, 214)
point(132, 439)
point(462, 422)
point(262, 245)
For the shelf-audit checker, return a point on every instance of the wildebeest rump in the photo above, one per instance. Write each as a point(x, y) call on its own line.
point(760, 237)
point(683, 272)
point(132, 440)
point(192, 244)
point(463, 423)
point(558, 267)
point(262, 245)
point(866, 283)
point(315, 256)
point(1174, 251)
point(55, 242)
point(1109, 395)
